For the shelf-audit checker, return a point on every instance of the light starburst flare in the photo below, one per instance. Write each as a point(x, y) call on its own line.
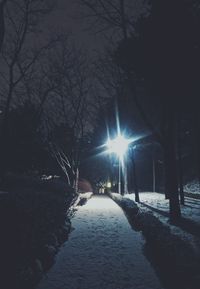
point(118, 145)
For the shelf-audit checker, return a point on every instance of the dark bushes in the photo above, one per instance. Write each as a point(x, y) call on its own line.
point(34, 223)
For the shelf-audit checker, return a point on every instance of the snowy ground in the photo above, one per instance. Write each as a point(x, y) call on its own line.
point(192, 187)
point(82, 197)
point(191, 210)
point(157, 203)
point(102, 253)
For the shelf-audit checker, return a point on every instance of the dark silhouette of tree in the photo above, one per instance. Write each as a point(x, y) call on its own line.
point(180, 162)
point(71, 77)
point(160, 49)
point(25, 147)
point(2, 23)
point(167, 59)
point(17, 57)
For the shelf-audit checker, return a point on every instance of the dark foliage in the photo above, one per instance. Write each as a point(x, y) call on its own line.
point(24, 145)
point(33, 224)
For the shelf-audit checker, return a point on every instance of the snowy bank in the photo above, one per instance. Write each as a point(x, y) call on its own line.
point(173, 257)
point(192, 187)
point(125, 203)
point(83, 198)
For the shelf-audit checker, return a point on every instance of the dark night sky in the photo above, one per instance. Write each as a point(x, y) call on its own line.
point(68, 18)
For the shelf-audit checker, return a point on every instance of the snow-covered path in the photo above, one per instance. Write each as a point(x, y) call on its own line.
point(103, 252)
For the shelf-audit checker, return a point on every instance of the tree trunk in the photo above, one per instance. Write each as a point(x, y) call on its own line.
point(137, 197)
point(2, 22)
point(76, 180)
point(171, 176)
point(2, 160)
point(197, 125)
point(125, 175)
point(3, 149)
point(180, 168)
point(153, 171)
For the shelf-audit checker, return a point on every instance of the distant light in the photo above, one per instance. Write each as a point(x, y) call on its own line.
point(119, 145)
point(108, 185)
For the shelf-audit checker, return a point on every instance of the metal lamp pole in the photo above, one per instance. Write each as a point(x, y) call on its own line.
point(125, 175)
point(119, 180)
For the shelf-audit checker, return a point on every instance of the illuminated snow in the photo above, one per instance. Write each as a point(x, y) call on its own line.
point(102, 253)
point(100, 203)
point(157, 201)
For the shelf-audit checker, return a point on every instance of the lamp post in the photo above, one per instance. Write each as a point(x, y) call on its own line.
point(119, 181)
point(137, 197)
point(119, 146)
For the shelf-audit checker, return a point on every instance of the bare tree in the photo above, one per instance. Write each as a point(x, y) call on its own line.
point(116, 16)
point(2, 23)
point(18, 55)
point(64, 93)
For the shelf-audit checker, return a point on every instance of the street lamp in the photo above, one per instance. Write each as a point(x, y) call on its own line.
point(119, 146)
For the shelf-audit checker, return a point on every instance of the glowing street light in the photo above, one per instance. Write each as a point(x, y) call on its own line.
point(119, 146)
point(108, 185)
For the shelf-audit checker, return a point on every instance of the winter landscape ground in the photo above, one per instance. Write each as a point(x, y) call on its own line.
point(156, 203)
point(172, 248)
point(102, 252)
point(99, 97)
